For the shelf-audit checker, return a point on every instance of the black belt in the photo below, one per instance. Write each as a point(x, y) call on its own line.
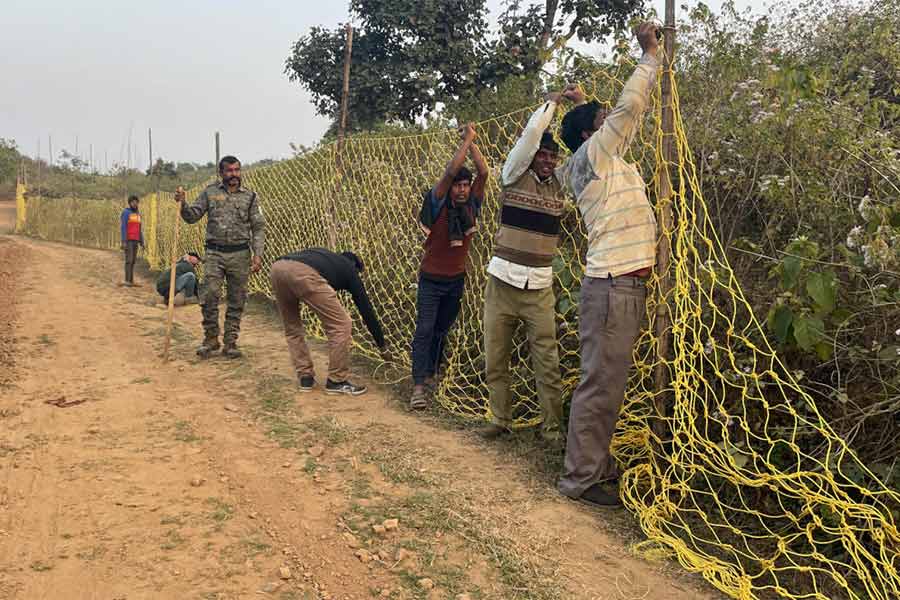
point(227, 247)
point(627, 280)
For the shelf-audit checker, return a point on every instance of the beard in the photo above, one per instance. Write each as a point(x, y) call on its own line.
point(235, 181)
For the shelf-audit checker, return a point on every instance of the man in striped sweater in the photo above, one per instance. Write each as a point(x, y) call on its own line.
point(520, 276)
point(621, 252)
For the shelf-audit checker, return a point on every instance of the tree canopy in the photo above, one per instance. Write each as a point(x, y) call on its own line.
point(409, 56)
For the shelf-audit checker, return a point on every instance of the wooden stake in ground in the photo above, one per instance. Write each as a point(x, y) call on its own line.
point(171, 314)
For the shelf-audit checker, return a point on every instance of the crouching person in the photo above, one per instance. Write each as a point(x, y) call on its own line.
point(314, 276)
point(186, 283)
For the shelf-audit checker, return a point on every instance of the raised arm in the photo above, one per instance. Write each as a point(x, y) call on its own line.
point(467, 133)
point(618, 130)
point(482, 169)
point(361, 299)
point(194, 212)
point(519, 158)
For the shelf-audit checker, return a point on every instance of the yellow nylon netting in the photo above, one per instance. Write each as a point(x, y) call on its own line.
point(738, 476)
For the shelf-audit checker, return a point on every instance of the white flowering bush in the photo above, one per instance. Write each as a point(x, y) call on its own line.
point(794, 120)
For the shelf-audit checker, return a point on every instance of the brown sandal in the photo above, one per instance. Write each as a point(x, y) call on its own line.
point(418, 400)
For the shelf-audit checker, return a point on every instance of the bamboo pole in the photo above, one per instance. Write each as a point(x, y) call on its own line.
point(663, 253)
point(171, 314)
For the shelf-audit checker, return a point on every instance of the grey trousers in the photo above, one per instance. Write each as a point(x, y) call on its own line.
point(131, 251)
point(609, 318)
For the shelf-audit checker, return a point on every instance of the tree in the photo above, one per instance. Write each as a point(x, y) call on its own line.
point(9, 159)
point(71, 161)
point(163, 169)
point(409, 56)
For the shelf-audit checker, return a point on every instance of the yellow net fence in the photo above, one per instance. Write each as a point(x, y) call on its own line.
point(730, 468)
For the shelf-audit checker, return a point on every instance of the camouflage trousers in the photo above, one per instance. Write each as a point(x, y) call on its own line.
point(232, 269)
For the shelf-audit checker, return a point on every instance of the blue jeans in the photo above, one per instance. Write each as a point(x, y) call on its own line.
point(437, 306)
point(186, 283)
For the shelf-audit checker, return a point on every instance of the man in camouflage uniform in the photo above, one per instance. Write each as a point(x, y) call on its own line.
point(234, 227)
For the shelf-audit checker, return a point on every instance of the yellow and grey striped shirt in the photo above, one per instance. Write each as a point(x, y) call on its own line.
point(609, 191)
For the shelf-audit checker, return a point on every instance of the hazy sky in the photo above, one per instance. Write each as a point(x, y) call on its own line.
point(97, 69)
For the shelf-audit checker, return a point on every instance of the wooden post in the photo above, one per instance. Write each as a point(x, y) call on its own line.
point(663, 252)
point(342, 132)
point(218, 156)
point(345, 91)
point(171, 314)
point(39, 166)
point(152, 246)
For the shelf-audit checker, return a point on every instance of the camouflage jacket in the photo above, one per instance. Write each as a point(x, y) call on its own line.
point(233, 218)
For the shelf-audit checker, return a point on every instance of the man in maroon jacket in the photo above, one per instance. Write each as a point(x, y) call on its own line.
point(448, 218)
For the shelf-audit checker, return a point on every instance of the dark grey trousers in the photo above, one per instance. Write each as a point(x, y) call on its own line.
point(609, 318)
point(131, 251)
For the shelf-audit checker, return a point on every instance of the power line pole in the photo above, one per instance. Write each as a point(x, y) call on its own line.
point(150, 140)
point(218, 156)
point(663, 252)
point(50, 141)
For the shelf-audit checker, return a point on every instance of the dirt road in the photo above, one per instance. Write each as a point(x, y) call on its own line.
point(124, 478)
point(7, 216)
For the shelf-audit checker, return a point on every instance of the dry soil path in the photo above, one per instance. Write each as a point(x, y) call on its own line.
point(124, 478)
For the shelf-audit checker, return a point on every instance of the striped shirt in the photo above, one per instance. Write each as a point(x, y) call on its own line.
point(515, 169)
point(609, 191)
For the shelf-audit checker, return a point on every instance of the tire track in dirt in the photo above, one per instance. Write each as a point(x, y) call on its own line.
point(205, 479)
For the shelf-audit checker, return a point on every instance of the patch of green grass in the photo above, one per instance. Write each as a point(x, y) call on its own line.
point(142, 380)
point(45, 339)
point(172, 520)
point(173, 540)
point(184, 432)
point(92, 554)
point(179, 334)
point(311, 466)
point(254, 546)
point(432, 511)
point(330, 429)
point(275, 393)
point(283, 430)
point(221, 511)
point(361, 487)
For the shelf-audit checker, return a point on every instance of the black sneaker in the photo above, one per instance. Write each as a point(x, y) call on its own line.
point(306, 383)
point(344, 387)
point(597, 496)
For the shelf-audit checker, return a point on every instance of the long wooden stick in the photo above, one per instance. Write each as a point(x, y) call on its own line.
point(664, 247)
point(172, 284)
